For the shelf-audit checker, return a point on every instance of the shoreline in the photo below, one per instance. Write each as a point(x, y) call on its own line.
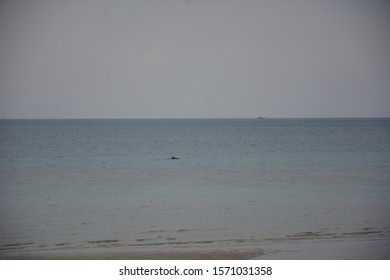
point(304, 249)
point(329, 249)
point(139, 255)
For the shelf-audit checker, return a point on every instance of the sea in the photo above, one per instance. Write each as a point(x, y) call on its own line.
point(107, 185)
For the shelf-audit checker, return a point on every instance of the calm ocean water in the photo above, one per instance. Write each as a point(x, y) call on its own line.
point(82, 185)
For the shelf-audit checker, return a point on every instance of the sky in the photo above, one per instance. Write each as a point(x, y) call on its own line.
point(194, 58)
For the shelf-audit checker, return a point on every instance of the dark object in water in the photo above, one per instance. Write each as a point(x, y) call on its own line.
point(173, 157)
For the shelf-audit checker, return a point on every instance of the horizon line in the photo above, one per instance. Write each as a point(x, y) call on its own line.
point(189, 118)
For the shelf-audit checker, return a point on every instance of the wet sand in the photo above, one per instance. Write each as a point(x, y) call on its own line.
point(322, 249)
point(150, 255)
point(313, 249)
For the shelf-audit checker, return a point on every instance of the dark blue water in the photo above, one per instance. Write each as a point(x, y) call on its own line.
point(110, 184)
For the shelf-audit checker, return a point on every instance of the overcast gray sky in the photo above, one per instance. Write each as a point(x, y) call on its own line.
point(199, 58)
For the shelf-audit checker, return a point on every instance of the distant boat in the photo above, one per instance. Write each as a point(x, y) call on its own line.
point(260, 118)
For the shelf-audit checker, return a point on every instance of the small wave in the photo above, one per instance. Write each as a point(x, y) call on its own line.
point(17, 244)
point(360, 233)
point(103, 241)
